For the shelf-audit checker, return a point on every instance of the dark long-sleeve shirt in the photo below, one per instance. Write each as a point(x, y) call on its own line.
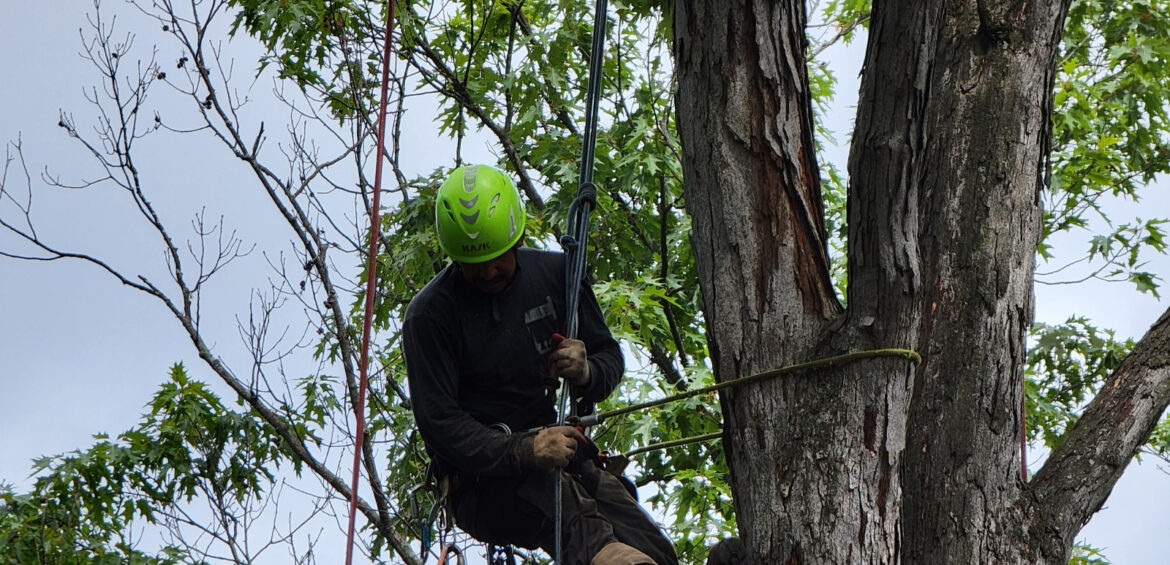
point(475, 359)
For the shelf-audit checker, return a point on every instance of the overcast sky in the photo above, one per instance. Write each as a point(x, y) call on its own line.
point(80, 354)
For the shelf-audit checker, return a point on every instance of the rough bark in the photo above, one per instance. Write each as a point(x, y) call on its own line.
point(813, 449)
point(948, 160)
point(877, 461)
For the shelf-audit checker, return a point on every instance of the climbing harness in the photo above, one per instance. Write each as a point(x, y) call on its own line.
point(423, 521)
point(449, 548)
point(575, 241)
point(438, 512)
point(371, 280)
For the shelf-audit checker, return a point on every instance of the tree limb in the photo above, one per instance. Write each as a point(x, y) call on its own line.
point(1080, 474)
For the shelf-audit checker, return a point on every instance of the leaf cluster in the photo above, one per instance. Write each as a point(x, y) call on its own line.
point(85, 504)
point(313, 43)
point(1067, 364)
point(1110, 133)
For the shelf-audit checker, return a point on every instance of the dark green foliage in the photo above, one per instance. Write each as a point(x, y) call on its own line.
point(312, 43)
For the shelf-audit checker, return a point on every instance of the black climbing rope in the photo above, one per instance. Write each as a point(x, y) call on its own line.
point(576, 238)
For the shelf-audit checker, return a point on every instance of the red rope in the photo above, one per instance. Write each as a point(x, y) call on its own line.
point(448, 551)
point(1024, 432)
point(371, 279)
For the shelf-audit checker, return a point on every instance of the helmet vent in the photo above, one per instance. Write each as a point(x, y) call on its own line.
point(492, 208)
point(469, 179)
point(450, 212)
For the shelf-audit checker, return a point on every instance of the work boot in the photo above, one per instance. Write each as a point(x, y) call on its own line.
point(618, 553)
point(730, 551)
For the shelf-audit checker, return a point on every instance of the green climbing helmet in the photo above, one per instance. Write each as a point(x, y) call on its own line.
point(478, 214)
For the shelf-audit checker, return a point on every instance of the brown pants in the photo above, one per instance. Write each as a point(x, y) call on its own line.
point(596, 510)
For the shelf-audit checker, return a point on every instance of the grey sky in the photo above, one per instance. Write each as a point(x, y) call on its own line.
point(81, 354)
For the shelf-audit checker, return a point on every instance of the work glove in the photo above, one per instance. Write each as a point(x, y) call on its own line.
point(554, 447)
point(568, 361)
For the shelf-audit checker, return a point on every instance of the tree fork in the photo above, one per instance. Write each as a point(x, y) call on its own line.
point(814, 461)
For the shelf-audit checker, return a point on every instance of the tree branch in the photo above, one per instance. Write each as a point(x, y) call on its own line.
point(448, 82)
point(1081, 473)
point(283, 197)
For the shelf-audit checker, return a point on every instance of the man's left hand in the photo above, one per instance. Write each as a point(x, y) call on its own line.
point(569, 361)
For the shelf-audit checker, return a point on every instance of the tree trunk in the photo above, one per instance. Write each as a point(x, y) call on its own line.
point(947, 164)
point(815, 450)
point(879, 461)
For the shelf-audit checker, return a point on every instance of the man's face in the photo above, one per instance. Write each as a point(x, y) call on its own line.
point(492, 276)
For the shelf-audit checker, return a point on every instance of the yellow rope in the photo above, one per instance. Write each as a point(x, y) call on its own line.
point(907, 354)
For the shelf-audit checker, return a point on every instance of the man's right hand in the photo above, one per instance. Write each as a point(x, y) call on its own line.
point(555, 446)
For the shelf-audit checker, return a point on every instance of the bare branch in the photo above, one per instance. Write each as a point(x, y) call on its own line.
point(118, 104)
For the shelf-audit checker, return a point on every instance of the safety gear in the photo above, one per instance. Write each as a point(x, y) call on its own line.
point(555, 446)
point(618, 553)
point(569, 361)
point(479, 214)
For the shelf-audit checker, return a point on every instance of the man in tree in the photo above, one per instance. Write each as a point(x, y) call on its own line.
point(484, 362)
